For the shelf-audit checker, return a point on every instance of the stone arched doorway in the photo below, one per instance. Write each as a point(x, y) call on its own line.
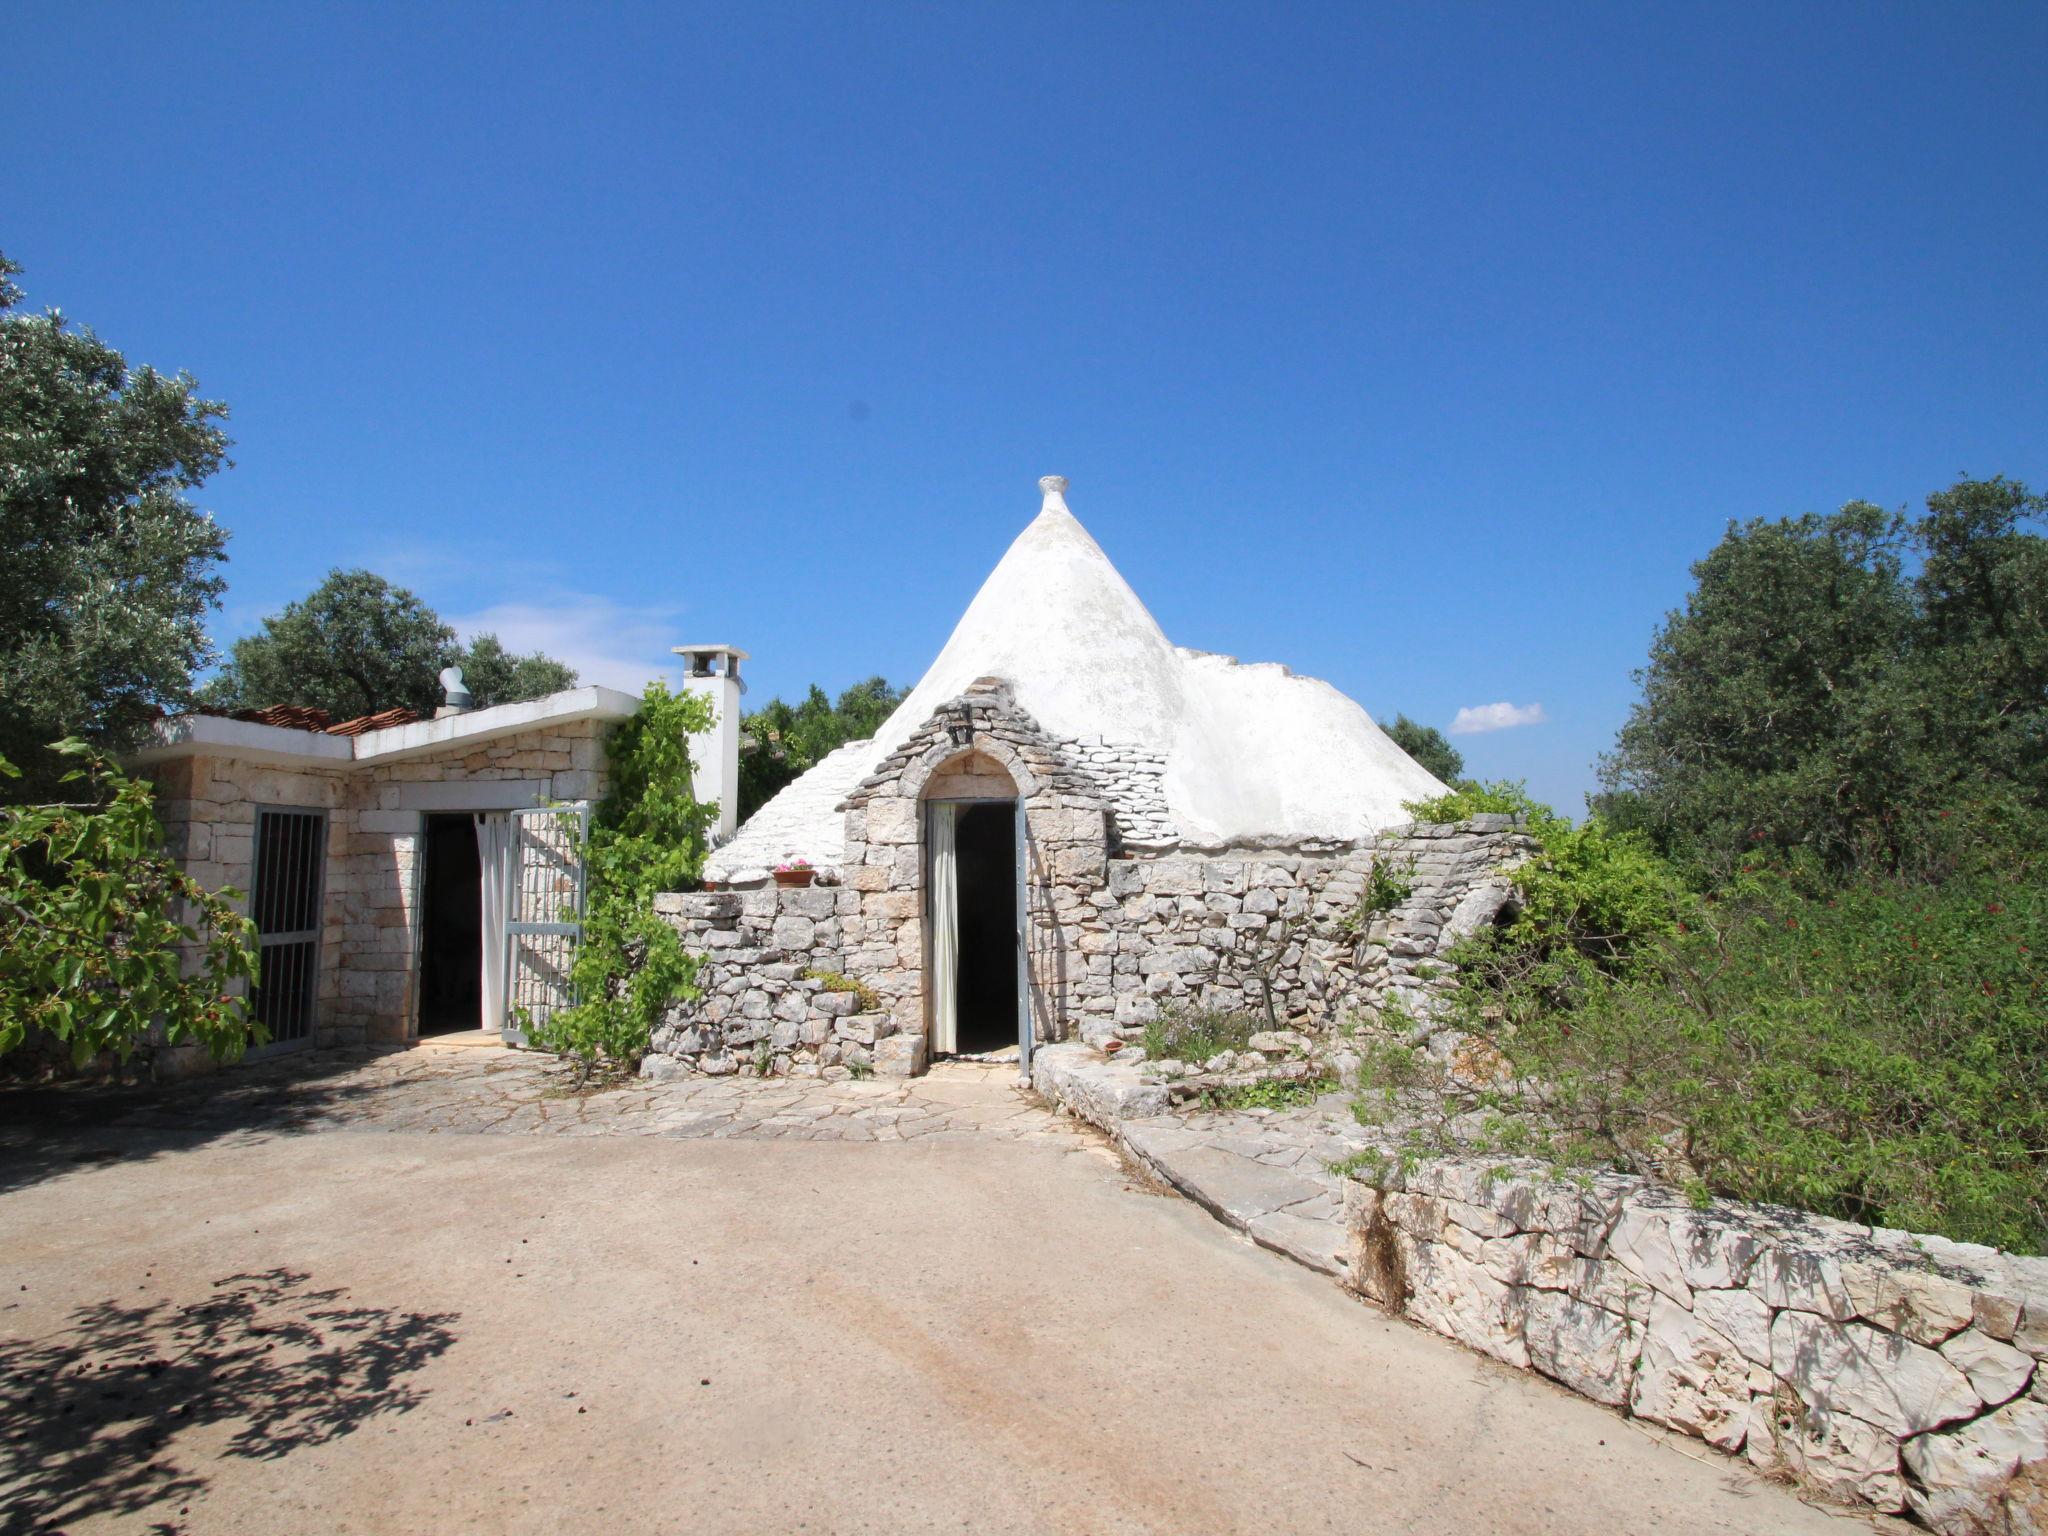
point(974, 975)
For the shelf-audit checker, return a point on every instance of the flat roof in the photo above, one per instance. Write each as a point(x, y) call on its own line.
point(246, 741)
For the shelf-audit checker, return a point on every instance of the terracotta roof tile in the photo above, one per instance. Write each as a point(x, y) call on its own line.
point(290, 717)
point(382, 720)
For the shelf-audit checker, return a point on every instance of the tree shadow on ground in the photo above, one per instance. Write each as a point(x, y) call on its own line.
point(89, 1414)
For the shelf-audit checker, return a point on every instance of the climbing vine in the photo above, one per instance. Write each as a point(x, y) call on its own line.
point(647, 837)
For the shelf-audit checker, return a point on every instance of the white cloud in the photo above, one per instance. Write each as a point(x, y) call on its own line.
point(1475, 719)
point(606, 642)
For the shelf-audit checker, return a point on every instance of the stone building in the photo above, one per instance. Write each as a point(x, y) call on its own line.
point(377, 857)
point(1069, 824)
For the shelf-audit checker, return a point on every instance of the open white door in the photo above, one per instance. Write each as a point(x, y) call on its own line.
point(494, 871)
point(543, 913)
point(945, 917)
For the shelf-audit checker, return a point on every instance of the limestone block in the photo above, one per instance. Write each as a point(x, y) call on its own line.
point(1808, 1280)
point(1420, 1216)
point(1900, 1387)
point(792, 932)
point(1077, 863)
point(1176, 876)
point(900, 1055)
point(891, 905)
point(813, 901)
point(1714, 1252)
point(1924, 1306)
point(1587, 1348)
point(1480, 1219)
point(860, 1027)
point(1530, 1258)
point(1739, 1316)
point(1836, 1453)
point(1458, 1298)
point(892, 822)
point(865, 877)
point(2031, 1334)
point(1694, 1379)
point(1997, 1372)
point(1991, 1475)
point(1224, 876)
point(1611, 1287)
point(1641, 1243)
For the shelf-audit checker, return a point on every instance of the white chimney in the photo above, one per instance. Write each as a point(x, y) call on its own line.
point(714, 673)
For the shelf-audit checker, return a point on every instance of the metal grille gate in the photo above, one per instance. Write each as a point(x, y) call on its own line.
point(284, 901)
point(543, 913)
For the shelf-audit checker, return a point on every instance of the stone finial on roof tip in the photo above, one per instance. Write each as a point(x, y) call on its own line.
point(1053, 485)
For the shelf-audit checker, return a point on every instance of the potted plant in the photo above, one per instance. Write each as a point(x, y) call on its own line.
point(795, 872)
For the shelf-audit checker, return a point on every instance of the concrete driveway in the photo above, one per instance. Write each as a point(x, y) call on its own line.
point(360, 1322)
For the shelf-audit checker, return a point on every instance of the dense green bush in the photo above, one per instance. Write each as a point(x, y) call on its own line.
point(1590, 888)
point(647, 838)
point(97, 920)
point(1870, 1048)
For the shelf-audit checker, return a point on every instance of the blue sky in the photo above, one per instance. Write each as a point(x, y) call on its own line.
point(1421, 348)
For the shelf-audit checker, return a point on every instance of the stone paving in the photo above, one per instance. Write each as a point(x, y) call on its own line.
point(1264, 1172)
point(484, 1089)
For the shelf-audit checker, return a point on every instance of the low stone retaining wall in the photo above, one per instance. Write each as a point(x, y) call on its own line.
point(1114, 941)
point(1904, 1372)
point(774, 997)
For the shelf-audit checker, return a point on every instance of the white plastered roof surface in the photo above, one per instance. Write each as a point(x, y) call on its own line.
point(1254, 754)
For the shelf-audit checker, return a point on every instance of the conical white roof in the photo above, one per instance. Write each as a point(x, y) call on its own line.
point(1252, 754)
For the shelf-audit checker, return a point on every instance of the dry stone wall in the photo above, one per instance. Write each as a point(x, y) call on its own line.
point(1114, 938)
point(1191, 929)
point(1897, 1371)
point(774, 994)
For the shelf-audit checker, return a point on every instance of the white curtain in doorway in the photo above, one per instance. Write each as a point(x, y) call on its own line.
point(494, 862)
point(945, 910)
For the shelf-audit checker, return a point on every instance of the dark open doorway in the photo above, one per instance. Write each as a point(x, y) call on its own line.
point(451, 927)
point(986, 851)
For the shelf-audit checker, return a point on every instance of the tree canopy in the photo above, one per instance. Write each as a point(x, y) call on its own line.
point(1429, 747)
point(782, 741)
point(356, 645)
point(110, 568)
point(1834, 683)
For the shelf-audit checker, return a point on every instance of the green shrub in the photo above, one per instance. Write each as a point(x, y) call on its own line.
point(1270, 1093)
point(96, 920)
point(1470, 797)
point(647, 838)
point(1872, 1050)
point(1196, 1034)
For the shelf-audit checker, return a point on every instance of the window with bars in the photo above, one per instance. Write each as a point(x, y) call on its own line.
point(285, 902)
